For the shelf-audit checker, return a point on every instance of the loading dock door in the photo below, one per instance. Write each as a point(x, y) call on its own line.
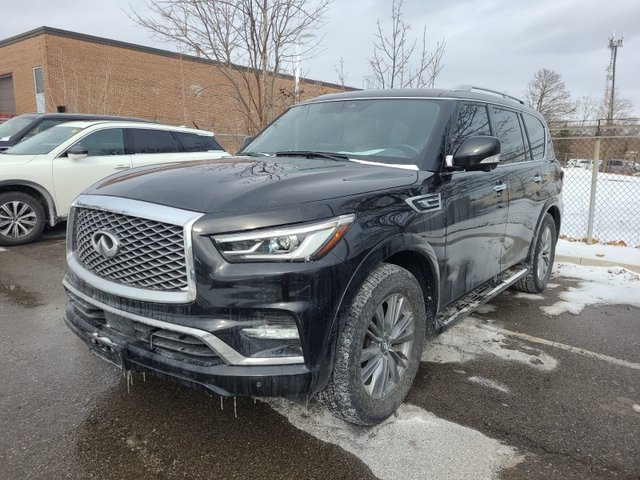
point(7, 100)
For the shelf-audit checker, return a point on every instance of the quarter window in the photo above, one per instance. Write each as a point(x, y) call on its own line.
point(509, 133)
point(471, 120)
point(146, 140)
point(535, 130)
point(104, 142)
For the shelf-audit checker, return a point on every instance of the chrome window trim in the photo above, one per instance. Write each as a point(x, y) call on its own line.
point(149, 211)
point(223, 350)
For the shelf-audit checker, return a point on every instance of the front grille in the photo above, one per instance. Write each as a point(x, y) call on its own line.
point(174, 345)
point(151, 254)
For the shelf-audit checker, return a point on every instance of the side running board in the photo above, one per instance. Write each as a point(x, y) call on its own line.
point(485, 292)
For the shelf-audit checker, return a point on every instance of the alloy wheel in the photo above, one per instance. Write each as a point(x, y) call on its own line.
point(17, 219)
point(544, 255)
point(387, 346)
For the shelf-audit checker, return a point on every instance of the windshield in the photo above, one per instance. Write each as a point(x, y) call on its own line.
point(14, 125)
point(44, 142)
point(380, 130)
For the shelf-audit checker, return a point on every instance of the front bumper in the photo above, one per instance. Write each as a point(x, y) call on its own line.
point(127, 342)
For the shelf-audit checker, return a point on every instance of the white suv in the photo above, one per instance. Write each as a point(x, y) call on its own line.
point(40, 177)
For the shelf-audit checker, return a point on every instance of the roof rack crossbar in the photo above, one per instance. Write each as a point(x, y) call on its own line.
point(468, 88)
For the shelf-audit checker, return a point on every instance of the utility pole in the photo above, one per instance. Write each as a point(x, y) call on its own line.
point(611, 72)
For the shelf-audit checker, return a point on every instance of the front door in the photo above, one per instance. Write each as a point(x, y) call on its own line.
point(475, 205)
point(106, 156)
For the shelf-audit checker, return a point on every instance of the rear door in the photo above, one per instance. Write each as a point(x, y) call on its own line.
point(106, 156)
point(475, 205)
point(150, 146)
point(522, 161)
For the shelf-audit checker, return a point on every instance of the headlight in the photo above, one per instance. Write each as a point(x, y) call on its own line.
point(302, 242)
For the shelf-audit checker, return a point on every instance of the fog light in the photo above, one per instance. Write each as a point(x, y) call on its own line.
point(272, 332)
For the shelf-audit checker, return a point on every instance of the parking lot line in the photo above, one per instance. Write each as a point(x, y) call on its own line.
point(562, 346)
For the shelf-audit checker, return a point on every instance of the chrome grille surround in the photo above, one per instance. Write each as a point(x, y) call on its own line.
point(155, 262)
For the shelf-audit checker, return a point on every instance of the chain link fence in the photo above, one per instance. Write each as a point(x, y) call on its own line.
point(601, 163)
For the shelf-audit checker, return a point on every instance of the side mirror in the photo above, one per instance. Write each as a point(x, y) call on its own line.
point(246, 141)
point(77, 152)
point(477, 153)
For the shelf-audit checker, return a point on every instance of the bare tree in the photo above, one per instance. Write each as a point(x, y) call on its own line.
point(342, 76)
point(253, 42)
point(586, 108)
point(547, 93)
point(85, 90)
point(622, 107)
point(397, 61)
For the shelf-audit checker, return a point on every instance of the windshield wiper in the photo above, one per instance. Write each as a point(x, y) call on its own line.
point(311, 154)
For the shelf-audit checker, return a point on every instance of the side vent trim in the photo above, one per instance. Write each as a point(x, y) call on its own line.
point(425, 203)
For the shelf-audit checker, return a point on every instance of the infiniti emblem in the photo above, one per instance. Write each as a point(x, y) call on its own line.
point(105, 243)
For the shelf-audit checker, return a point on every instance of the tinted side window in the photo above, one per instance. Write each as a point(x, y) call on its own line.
point(146, 140)
point(197, 143)
point(509, 133)
point(472, 119)
point(535, 130)
point(104, 142)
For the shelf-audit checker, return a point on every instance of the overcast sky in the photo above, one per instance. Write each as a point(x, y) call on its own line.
point(498, 44)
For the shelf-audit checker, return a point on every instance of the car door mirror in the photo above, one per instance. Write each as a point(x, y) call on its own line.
point(245, 142)
point(77, 152)
point(477, 153)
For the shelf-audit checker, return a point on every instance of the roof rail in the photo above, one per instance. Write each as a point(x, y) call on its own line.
point(469, 88)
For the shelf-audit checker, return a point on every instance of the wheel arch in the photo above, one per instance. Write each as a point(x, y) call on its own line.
point(35, 190)
point(554, 208)
point(408, 251)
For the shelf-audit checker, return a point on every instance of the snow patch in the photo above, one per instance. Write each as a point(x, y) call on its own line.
point(528, 296)
point(486, 308)
point(3, 249)
point(552, 285)
point(468, 340)
point(487, 382)
point(597, 251)
point(636, 408)
point(412, 444)
point(597, 286)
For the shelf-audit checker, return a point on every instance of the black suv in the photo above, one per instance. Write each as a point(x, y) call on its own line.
point(319, 260)
point(19, 128)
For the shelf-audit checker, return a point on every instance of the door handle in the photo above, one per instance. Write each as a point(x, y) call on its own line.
point(499, 187)
point(122, 167)
point(537, 178)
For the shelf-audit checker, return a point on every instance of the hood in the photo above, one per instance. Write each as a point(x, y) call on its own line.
point(10, 160)
point(237, 184)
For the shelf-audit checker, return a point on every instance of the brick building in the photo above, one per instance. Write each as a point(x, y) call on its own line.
point(48, 69)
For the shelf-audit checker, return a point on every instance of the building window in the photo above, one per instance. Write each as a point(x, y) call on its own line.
point(39, 86)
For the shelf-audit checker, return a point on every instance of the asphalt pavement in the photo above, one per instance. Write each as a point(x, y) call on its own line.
point(67, 414)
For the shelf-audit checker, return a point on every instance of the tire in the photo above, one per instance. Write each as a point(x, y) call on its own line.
point(22, 218)
point(367, 392)
point(541, 264)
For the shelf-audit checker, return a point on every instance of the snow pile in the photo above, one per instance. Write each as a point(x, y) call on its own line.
point(413, 444)
point(609, 253)
point(469, 339)
point(3, 249)
point(598, 285)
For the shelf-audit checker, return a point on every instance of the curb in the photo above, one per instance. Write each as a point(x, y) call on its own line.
point(593, 262)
